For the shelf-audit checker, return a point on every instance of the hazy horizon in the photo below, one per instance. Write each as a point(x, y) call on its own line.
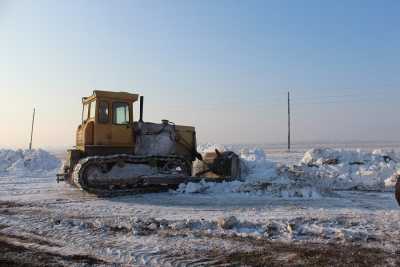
point(354, 144)
point(224, 67)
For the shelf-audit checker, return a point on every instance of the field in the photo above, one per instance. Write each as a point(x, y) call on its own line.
point(45, 223)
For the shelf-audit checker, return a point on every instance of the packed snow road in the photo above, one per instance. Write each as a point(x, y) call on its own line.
point(45, 222)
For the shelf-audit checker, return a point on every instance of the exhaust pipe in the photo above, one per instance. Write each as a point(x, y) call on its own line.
point(141, 109)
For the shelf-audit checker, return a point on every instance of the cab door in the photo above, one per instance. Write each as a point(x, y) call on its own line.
point(122, 132)
point(103, 126)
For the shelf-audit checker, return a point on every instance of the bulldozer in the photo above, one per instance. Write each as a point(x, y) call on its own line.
point(116, 154)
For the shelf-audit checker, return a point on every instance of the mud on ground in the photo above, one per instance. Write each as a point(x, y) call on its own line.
point(16, 252)
point(280, 254)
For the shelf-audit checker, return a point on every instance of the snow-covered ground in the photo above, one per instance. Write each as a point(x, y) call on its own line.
point(274, 202)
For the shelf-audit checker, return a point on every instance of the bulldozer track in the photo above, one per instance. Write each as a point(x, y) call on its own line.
point(80, 180)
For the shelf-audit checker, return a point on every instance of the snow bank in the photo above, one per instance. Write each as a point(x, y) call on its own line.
point(260, 176)
point(320, 171)
point(257, 167)
point(351, 169)
point(27, 162)
point(322, 228)
point(208, 147)
point(263, 176)
point(286, 189)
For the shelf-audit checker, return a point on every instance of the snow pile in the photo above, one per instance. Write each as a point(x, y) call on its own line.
point(319, 228)
point(321, 170)
point(351, 169)
point(208, 147)
point(210, 187)
point(285, 188)
point(256, 154)
point(27, 162)
point(256, 165)
point(260, 176)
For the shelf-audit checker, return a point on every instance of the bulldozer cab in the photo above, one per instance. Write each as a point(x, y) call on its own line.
point(107, 123)
point(108, 128)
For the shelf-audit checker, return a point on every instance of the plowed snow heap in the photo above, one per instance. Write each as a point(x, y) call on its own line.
point(27, 162)
point(352, 169)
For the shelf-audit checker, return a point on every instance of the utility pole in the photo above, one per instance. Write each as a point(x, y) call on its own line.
point(33, 123)
point(289, 144)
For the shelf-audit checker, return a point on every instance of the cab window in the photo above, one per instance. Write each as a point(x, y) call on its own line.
point(103, 112)
point(92, 109)
point(85, 112)
point(120, 113)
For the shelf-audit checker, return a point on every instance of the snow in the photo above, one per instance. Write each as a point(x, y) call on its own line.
point(27, 162)
point(209, 147)
point(342, 169)
point(319, 171)
point(274, 201)
point(257, 166)
point(260, 177)
point(210, 187)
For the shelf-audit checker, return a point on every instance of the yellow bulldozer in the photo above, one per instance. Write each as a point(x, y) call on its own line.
point(115, 153)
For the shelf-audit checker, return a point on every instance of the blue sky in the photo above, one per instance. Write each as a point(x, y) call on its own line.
point(222, 66)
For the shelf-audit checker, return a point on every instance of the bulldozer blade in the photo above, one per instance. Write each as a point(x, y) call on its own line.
point(219, 166)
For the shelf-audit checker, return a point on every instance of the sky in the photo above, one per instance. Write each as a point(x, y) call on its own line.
point(222, 66)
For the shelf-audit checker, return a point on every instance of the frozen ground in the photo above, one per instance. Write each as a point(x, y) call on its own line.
point(247, 222)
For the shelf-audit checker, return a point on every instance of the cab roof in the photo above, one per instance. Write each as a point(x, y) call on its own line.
point(111, 95)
